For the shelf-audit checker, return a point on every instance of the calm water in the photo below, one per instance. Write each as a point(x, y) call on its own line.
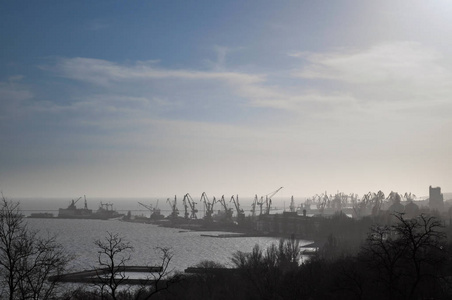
point(189, 247)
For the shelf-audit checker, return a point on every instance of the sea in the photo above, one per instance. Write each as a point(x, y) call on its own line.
point(188, 248)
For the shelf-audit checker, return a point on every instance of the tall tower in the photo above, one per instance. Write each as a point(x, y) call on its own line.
point(436, 200)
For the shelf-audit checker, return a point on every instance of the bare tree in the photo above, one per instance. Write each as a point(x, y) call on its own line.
point(289, 253)
point(264, 269)
point(157, 282)
point(405, 254)
point(27, 259)
point(113, 254)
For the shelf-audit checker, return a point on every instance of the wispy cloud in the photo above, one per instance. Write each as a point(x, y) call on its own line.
point(402, 71)
point(255, 90)
point(394, 79)
point(103, 72)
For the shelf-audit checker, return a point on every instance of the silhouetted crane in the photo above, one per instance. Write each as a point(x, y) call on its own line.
point(227, 210)
point(192, 205)
point(73, 202)
point(149, 207)
point(292, 205)
point(240, 213)
point(253, 207)
point(208, 206)
point(268, 200)
point(174, 210)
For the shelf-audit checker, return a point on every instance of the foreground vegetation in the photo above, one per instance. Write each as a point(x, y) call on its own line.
point(393, 257)
point(402, 259)
point(408, 259)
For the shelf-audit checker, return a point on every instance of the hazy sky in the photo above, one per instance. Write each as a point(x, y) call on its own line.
point(163, 98)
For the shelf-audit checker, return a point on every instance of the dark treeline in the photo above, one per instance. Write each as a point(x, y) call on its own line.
point(398, 258)
point(406, 259)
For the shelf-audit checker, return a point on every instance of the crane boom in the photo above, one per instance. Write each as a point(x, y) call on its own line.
point(270, 195)
point(149, 207)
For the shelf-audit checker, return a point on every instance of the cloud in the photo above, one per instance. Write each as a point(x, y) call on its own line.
point(102, 72)
point(401, 71)
point(403, 61)
point(340, 109)
point(402, 78)
point(253, 90)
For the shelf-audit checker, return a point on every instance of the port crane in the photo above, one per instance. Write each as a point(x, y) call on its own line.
point(72, 205)
point(292, 205)
point(240, 213)
point(192, 204)
point(268, 200)
point(186, 214)
point(260, 203)
point(227, 210)
point(208, 206)
point(174, 210)
point(86, 204)
point(253, 207)
point(149, 207)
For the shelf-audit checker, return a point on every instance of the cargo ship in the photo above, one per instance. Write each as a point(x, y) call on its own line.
point(72, 212)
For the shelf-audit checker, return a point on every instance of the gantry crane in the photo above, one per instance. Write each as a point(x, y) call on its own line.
point(156, 215)
point(185, 201)
point(227, 210)
point(268, 200)
point(208, 206)
point(192, 204)
point(174, 210)
point(240, 213)
point(149, 207)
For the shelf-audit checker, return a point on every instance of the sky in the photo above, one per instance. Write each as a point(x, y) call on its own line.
point(162, 98)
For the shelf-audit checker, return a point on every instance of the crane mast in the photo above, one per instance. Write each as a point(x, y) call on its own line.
point(192, 205)
point(174, 210)
point(268, 204)
point(240, 213)
point(292, 205)
point(208, 206)
point(261, 204)
point(253, 207)
point(227, 210)
point(268, 200)
point(185, 200)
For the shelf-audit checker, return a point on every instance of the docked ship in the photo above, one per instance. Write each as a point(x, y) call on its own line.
point(41, 215)
point(72, 212)
point(106, 213)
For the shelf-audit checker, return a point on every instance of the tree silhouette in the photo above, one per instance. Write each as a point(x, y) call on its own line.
point(27, 259)
point(406, 255)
